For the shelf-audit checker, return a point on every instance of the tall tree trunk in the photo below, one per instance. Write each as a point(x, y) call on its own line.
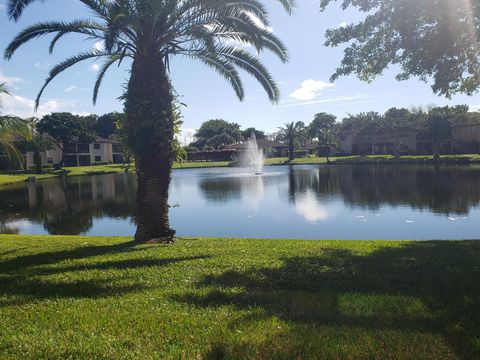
point(436, 150)
point(149, 129)
point(290, 149)
point(37, 160)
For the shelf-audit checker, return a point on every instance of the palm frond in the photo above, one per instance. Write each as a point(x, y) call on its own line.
point(64, 65)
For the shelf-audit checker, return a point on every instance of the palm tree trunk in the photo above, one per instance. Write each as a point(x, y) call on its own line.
point(37, 160)
point(436, 150)
point(150, 136)
point(290, 149)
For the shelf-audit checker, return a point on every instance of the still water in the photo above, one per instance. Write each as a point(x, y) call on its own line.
point(307, 202)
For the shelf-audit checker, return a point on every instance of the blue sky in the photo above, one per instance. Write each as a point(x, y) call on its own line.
point(303, 81)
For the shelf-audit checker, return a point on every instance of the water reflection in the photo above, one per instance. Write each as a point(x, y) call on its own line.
point(67, 206)
point(305, 201)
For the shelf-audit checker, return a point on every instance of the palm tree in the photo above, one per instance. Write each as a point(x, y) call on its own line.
point(10, 129)
point(149, 33)
point(37, 144)
point(3, 91)
point(292, 133)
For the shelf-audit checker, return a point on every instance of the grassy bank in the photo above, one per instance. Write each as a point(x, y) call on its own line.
point(15, 177)
point(74, 297)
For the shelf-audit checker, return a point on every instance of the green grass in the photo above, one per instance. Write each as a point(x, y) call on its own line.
point(92, 298)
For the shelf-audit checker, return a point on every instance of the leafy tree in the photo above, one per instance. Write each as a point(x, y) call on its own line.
point(66, 129)
point(320, 122)
point(247, 134)
point(150, 33)
point(439, 126)
point(217, 133)
point(428, 39)
point(396, 120)
point(292, 133)
point(327, 138)
point(106, 125)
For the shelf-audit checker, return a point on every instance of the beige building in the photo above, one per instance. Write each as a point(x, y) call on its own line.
point(101, 151)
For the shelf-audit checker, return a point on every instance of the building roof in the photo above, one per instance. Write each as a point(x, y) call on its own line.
point(261, 143)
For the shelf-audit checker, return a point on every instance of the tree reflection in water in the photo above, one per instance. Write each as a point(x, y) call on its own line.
point(71, 205)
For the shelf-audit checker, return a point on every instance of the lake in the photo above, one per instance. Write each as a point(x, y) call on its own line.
point(297, 202)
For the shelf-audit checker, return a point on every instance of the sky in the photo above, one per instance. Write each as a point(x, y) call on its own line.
point(303, 81)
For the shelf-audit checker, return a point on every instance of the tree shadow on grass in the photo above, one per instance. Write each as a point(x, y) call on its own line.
point(22, 279)
point(47, 258)
point(423, 287)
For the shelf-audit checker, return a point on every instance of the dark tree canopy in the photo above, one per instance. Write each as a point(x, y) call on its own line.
point(217, 133)
point(321, 122)
point(66, 128)
point(434, 40)
point(247, 133)
point(106, 125)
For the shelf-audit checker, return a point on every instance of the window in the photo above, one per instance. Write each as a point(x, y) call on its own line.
point(96, 146)
point(98, 158)
point(83, 148)
point(117, 148)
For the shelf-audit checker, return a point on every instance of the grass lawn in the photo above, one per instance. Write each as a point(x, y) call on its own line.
point(92, 298)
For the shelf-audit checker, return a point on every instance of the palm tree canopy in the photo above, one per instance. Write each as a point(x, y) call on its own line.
point(211, 31)
point(11, 130)
point(291, 130)
point(3, 91)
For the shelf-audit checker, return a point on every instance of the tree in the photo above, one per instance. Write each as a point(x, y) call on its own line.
point(428, 39)
point(11, 128)
point(396, 120)
point(327, 138)
point(3, 91)
point(439, 127)
point(106, 125)
point(320, 122)
point(66, 129)
point(292, 133)
point(247, 134)
point(217, 133)
point(150, 33)
point(37, 144)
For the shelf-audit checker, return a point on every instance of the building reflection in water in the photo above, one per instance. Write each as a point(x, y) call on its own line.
point(317, 194)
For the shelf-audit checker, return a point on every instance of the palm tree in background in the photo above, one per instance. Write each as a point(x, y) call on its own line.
point(11, 128)
point(291, 133)
point(37, 144)
point(148, 33)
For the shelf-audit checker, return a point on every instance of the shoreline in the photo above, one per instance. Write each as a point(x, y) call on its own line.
point(12, 177)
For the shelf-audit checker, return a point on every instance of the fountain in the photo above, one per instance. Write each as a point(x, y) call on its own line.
point(252, 157)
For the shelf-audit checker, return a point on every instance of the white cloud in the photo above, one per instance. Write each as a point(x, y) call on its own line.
point(343, 24)
point(310, 89)
point(24, 107)
point(338, 99)
point(95, 67)
point(9, 80)
point(70, 88)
